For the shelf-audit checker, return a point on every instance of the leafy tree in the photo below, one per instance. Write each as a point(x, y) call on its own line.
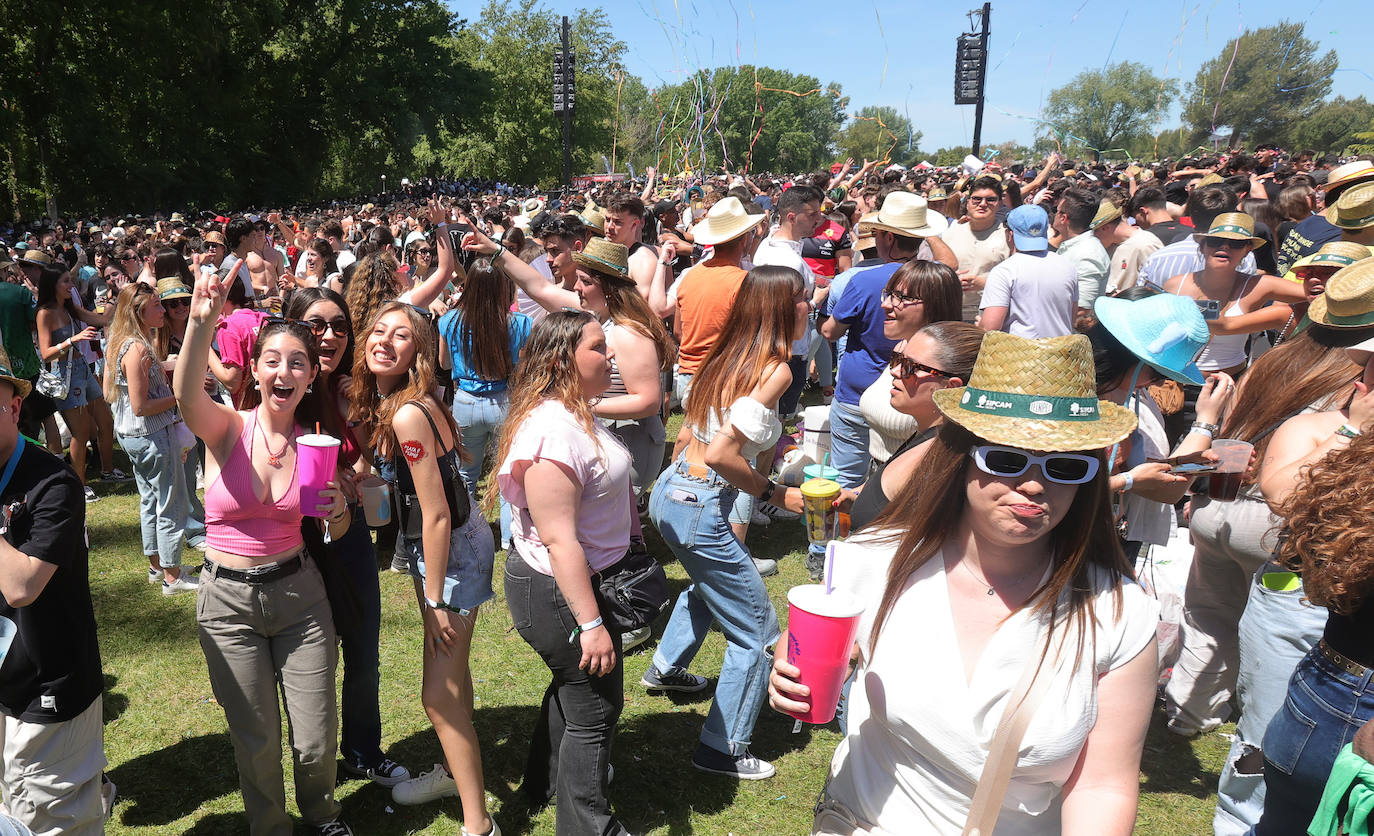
point(1331, 126)
point(1101, 110)
point(878, 133)
point(1273, 78)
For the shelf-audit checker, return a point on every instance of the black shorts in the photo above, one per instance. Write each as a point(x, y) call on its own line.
point(36, 408)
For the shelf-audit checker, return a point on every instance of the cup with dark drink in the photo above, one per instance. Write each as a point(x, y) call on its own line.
point(1233, 459)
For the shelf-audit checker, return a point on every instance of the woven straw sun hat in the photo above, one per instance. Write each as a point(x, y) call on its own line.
point(905, 214)
point(1349, 298)
point(1165, 330)
point(21, 386)
point(172, 287)
point(1107, 212)
point(1354, 209)
point(1036, 395)
point(605, 258)
point(725, 221)
point(1332, 256)
point(593, 217)
point(1360, 171)
point(1237, 226)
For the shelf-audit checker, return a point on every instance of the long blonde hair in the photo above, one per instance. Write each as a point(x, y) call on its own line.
point(374, 411)
point(546, 372)
point(127, 325)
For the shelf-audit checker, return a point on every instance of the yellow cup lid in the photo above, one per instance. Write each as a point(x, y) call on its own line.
point(820, 488)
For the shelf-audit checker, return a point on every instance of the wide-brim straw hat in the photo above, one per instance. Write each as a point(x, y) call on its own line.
point(1166, 331)
point(605, 258)
point(905, 214)
point(214, 237)
point(21, 386)
point(1107, 212)
point(532, 206)
point(1354, 209)
point(1237, 226)
point(1359, 171)
point(1036, 395)
point(593, 217)
point(1349, 298)
point(172, 287)
point(1333, 256)
point(726, 221)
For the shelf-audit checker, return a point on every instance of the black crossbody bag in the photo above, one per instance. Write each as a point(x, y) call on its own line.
point(635, 589)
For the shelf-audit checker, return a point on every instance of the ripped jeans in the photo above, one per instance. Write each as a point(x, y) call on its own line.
point(1276, 631)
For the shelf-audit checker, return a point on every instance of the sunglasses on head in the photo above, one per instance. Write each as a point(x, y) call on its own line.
point(1229, 243)
point(1010, 462)
point(905, 368)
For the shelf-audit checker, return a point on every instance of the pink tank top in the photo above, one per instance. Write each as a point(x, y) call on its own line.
point(236, 521)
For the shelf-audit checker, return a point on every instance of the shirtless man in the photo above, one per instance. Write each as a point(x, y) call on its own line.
point(251, 269)
point(276, 262)
point(624, 225)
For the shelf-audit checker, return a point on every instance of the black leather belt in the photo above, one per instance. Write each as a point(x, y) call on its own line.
point(1340, 660)
point(258, 574)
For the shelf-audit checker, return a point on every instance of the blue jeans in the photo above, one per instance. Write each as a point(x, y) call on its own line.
point(195, 511)
point(161, 480)
point(360, 710)
point(848, 443)
point(1277, 629)
point(691, 513)
point(480, 418)
point(1324, 708)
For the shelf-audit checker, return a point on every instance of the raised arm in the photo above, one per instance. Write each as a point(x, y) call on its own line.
point(550, 296)
point(433, 286)
point(658, 289)
point(213, 422)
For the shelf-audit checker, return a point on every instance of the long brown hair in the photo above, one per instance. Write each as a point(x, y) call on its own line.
point(127, 325)
point(1330, 535)
point(628, 309)
point(481, 331)
point(372, 285)
point(757, 336)
point(375, 412)
point(926, 511)
point(546, 372)
point(1309, 369)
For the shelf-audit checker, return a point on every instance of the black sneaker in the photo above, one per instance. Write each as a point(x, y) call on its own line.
point(386, 773)
point(674, 679)
point(745, 766)
point(334, 828)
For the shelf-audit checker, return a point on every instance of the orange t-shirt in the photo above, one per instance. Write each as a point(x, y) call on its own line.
point(704, 298)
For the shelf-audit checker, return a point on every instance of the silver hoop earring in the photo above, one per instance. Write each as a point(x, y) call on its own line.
point(309, 388)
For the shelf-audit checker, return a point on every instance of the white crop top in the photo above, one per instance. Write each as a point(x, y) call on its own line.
point(757, 424)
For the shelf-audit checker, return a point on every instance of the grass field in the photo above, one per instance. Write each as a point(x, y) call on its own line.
point(170, 755)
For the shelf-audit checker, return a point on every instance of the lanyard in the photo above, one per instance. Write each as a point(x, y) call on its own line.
point(13, 462)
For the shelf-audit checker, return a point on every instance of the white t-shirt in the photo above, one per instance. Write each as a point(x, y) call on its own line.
point(919, 730)
point(1039, 291)
point(758, 425)
point(1147, 521)
point(1128, 257)
point(524, 303)
point(787, 254)
point(978, 253)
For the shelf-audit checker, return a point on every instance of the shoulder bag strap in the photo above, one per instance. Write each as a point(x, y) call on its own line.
point(1006, 743)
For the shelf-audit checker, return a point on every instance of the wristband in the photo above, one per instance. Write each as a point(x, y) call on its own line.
point(1347, 431)
point(1130, 483)
point(434, 605)
point(1210, 428)
point(584, 628)
point(1201, 431)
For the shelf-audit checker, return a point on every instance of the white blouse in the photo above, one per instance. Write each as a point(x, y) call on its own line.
point(919, 730)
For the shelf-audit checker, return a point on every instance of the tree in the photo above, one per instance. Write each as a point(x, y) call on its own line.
point(878, 133)
point(1102, 110)
point(1259, 85)
point(1332, 126)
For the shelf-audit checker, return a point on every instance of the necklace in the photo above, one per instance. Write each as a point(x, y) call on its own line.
point(988, 586)
point(274, 459)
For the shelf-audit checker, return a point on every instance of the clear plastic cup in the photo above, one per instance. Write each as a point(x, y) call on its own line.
point(818, 497)
point(1233, 457)
point(375, 494)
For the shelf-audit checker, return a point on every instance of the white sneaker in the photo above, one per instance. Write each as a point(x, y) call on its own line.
point(430, 786)
point(154, 575)
point(183, 583)
point(759, 518)
point(634, 638)
point(495, 830)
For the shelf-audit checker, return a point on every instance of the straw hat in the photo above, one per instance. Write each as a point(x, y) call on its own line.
point(172, 287)
point(1354, 209)
point(937, 194)
point(605, 258)
point(1349, 298)
point(21, 386)
point(532, 206)
point(1237, 226)
point(725, 221)
point(905, 214)
point(1107, 212)
point(1165, 330)
point(1208, 180)
point(1333, 256)
point(215, 237)
point(593, 217)
point(1359, 171)
point(1036, 395)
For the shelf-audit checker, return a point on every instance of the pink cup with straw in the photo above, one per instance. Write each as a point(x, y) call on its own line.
point(821, 625)
point(317, 455)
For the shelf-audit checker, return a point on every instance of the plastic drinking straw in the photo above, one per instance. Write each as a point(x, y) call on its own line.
point(829, 567)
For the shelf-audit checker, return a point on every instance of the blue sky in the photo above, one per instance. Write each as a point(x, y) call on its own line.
point(902, 54)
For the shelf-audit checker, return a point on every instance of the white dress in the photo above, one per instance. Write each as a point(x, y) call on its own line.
point(919, 730)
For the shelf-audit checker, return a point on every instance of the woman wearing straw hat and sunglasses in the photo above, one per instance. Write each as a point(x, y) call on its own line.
point(1000, 552)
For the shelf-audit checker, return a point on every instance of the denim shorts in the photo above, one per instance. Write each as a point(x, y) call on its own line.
point(84, 385)
point(471, 553)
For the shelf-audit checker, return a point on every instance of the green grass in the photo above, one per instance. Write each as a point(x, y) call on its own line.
point(169, 751)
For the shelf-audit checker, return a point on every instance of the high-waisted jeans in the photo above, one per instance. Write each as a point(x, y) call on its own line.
point(692, 515)
point(479, 419)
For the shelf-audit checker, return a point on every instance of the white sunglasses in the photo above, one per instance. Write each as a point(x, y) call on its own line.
point(1009, 462)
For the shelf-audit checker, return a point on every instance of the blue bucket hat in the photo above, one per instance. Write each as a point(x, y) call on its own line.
point(1165, 330)
point(1029, 227)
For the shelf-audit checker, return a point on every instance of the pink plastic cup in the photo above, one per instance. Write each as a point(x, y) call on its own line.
point(316, 457)
point(820, 635)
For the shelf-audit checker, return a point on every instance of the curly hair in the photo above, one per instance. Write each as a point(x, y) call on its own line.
point(372, 285)
point(374, 411)
point(1330, 536)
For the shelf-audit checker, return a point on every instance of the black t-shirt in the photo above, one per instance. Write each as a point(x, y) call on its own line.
point(1304, 239)
point(1264, 256)
point(1352, 635)
point(52, 671)
point(1170, 231)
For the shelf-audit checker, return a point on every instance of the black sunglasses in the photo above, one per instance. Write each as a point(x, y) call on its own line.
point(340, 327)
point(1229, 243)
point(905, 368)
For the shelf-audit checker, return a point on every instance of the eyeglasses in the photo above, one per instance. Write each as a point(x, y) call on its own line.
point(898, 300)
point(339, 326)
point(1010, 462)
point(1227, 243)
point(905, 368)
point(988, 199)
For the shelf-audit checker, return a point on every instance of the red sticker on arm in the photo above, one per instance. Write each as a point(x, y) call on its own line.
point(413, 450)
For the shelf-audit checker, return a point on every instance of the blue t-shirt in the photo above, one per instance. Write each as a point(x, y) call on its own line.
point(463, 375)
point(866, 350)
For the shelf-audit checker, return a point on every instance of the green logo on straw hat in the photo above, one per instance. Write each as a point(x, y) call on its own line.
point(1014, 405)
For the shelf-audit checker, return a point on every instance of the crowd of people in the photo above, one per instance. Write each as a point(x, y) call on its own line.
point(1032, 378)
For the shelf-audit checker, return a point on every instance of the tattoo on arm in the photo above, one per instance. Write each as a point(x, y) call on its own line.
point(414, 451)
